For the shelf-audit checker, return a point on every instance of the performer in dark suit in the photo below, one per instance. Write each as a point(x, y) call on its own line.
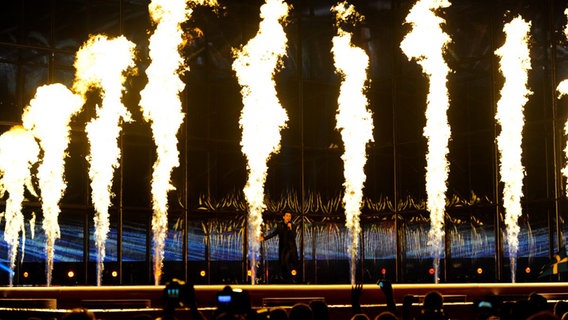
point(287, 251)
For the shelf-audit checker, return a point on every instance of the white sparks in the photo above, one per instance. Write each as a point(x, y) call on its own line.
point(426, 43)
point(354, 122)
point(514, 65)
point(47, 117)
point(262, 116)
point(103, 63)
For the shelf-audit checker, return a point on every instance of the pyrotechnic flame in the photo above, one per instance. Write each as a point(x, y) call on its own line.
point(103, 63)
point(514, 65)
point(18, 152)
point(47, 117)
point(563, 90)
point(262, 116)
point(161, 105)
point(426, 43)
point(354, 122)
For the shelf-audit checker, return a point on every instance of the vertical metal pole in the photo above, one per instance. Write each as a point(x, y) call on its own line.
point(399, 272)
point(495, 154)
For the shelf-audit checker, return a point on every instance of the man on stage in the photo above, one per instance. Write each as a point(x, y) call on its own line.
point(287, 251)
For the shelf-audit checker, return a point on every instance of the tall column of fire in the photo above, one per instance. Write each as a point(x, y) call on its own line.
point(514, 65)
point(48, 116)
point(426, 43)
point(262, 116)
point(18, 152)
point(161, 106)
point(354, 122)
point(103, 63)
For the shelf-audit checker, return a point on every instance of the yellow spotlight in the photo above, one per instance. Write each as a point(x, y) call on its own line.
point(479, 270)
point(202, 273)
point(294, 272)
point(114, 274)
point(70, 274)
point(26, 274)
point(528, 270)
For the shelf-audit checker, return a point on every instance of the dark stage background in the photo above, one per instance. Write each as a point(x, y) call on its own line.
point(206, 242)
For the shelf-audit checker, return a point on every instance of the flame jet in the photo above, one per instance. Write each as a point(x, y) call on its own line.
point(514, 65)
point(19, 151)
point(562, 89)
point(47, 116)
point(103, 63)
point(354, 122)
point(262, 116)
point(426, 43)
point(161, 105)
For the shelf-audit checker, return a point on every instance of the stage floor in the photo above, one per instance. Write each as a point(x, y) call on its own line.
point(149, 299)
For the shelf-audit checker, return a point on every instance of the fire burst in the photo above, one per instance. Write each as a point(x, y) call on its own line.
point(18, 152)
point(354, 122)
point(426, 43)
point(102, 63)
point(47, 117)
point(563, 90)
point(514, 65)
point(161, 105)
point(262, 116)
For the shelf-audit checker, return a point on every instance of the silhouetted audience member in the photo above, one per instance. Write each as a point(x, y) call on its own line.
point(560, 308)
point(278, 314)
point(433, 307)
point(356, 292)
point(300, 311)
point(537, 303)
point(386, 288)
point(80, 314)
point(386, 315)
point(360, 316)
point(320, 310)
point(543, 315)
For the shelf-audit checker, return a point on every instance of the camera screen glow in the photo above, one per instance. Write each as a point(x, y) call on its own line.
point(224, 299)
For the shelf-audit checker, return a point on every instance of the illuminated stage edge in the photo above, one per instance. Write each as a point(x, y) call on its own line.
point(264, 295)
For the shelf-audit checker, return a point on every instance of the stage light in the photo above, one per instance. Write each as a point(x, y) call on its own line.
point(431, 271)
point(383, 271)
point(294, 272)
point(479, 270)
point(70, 274)
point(25, 274)
point(528, 270)
point(114, 273)
point(202, 273)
